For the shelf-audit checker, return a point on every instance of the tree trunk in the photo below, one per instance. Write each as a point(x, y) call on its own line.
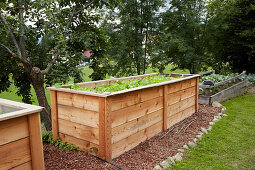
point(37, 80)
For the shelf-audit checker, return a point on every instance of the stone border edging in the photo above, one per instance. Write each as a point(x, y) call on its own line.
point(178, 157)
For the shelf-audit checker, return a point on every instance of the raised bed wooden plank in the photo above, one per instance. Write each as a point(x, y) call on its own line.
point(233, 91)
point(134, 140)
point(132, 127)
point(173, 119)
point(108, 129)
point(177, 96)
point(54, 113)
point(102, 127)
point(133, 112)
point(14, 153)
point(180, 106)
point(80, 116)
point(77, 100)
point(128, 99)
point(110, 81)
point(82, 144)
point(25, 166)
point(36, 146)
point(9, 129)
point(79, 131)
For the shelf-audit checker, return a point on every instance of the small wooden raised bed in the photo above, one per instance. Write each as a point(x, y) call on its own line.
point(117, 122)
point(20, 136)
point(226, 94)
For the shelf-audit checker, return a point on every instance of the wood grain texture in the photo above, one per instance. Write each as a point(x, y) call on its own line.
point(25, 166)
point(82, 144)
point(102, 151)
point(180, 106)
point(134, 140)
point(9, 129)
point(173, 119)
point(135, 111)
point(54, 113)
point(77, 115)
point(132, 127)
point(79, 131)
point(78, 100)
point(35, 137)
point(108, 129)
point(14, 153)
point(165, 99)
point(131, 98)
point(196, 94)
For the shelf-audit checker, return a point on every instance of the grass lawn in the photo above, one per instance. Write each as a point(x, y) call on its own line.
point(11, 94)
point(231, 143)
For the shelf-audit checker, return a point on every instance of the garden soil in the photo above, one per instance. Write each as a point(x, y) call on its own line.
point(145, 156)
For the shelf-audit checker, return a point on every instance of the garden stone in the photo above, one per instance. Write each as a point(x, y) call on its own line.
point(200, 133)
point(178, 157)
point(185, 147)
point(209, 128)
point(164, 164)
point(211, 123)
point(157, 168)
point(215, 120)
point(171, 159)
point(195, 140)
point(199, 137)
point(204, 130)
point(223, 110)
point(216, 104)
point(217, 117)
point(191, 144)
point(180, 150)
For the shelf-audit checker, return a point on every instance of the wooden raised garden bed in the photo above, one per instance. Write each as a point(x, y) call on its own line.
point(114, 123)
point(20, 136)
point(234, 90)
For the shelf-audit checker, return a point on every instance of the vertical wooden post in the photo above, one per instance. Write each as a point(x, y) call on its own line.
point(197, 93)
point(108, 130)
point(36, 147)
point(54, 113)
point(102, 127)
point(105, 129)
point(165, 94)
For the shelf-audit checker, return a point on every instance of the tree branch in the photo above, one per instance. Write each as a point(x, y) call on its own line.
point(9, 50)
point(74, 12)
point(9, 31)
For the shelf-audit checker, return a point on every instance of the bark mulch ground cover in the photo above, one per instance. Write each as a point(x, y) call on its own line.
point(144, 156)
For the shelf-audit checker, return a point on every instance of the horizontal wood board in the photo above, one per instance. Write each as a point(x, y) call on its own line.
point(134, 140)
point(78, 100)
point(79, 131)
point(15, 153)
point(13, 129)
point(78, 115)
point(82, 144)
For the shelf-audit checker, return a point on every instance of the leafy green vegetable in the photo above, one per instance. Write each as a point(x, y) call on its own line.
point(126, 84)
point(2, 113)
point(216, 78)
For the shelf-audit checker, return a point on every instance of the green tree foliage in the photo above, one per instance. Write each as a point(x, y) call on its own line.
point(232, 34)
point(42, 41)
point(132, 38)
point(182, 39)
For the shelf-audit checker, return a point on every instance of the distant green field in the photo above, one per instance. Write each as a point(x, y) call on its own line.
point(11, 93)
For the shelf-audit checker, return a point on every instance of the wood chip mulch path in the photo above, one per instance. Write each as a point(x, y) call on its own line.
point(145, 156)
